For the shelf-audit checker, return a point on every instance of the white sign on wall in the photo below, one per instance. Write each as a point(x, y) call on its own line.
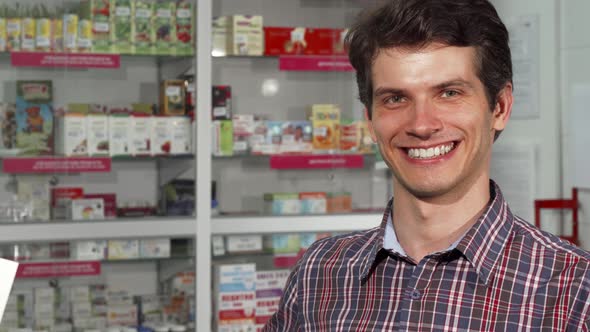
point(524, 46)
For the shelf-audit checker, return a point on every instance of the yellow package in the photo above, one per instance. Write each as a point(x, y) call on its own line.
point(70, 34)
point(43, 35)
point(13, 32)
point(2, 34)
point(57, 35)
point(28, 34)
point(325, 119)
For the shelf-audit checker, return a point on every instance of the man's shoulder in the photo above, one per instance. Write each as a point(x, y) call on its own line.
point(342, 246)
point(530, 236)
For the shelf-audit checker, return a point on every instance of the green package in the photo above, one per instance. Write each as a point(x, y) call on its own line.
point(185, 27)
point(100, 14)
point(165, 27)
point(143, 27)
point(121, 26)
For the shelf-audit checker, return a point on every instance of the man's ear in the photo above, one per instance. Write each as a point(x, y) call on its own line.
point(503, 108)
point(370, 126)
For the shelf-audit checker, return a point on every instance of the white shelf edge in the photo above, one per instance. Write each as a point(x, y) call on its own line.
point(96, 230)
point(294, 224)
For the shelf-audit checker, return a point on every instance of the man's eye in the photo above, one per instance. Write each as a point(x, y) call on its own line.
point(394, 99)
point(450, 93)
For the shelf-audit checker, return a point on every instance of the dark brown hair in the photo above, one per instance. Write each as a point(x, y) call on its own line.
point(417, 23)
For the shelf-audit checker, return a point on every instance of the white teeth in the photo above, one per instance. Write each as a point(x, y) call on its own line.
point(430, 152)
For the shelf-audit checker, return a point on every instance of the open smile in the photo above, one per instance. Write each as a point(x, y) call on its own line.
point(430, 152)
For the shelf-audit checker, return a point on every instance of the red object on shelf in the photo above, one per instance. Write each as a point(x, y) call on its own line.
point(323, 161)
point(20, 165)
point(58, 269)
point(71, 60)
point(561, 204)
point(314, 63)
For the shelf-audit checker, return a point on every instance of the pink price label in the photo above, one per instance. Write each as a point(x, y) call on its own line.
point(316, 161)
point(58, 269)
point(314, 63)
point(72, 60)
point(33, 165)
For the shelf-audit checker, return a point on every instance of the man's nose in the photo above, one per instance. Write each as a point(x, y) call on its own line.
point(424, 121)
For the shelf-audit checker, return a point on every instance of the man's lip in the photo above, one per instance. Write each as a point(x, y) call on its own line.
point(429, 145)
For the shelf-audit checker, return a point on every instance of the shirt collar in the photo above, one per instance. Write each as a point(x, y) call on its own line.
point(390, 241)
point(482, 245)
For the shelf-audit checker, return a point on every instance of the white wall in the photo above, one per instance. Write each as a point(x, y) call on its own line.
point(543, 131)
point(575, 69)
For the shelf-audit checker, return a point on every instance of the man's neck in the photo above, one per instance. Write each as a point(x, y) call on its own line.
point(424, 227)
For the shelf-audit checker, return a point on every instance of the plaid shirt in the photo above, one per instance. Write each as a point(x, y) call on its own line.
point(503, 275)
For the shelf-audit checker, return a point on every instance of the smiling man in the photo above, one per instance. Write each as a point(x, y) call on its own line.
point(436, 79)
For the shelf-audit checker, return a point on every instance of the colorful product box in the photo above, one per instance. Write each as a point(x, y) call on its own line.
point(173, 97)
point(165, 26)
point(286, 40)
point(161, 137)
point(349, 136)
point(57, 34)
point(85, 27)
point(221, 102)
point(122, 315)
point(121, 26)
point(110, 203)
point(143, 27)
point(13, 34)
point(99, 12)
point(283, 244)
point(97, 126)
point(243, 131)
point(180, 197)
point(70, 32)
point(325, 120)
point(222, 140)
point(313, 202)
point(150, 248)
point(60, 200)
point(185, 27)
point(219, 39)
point(89, 250)
point(70, 131)
point(366, 144)
point(34, 117)
point(140, 135)
point(269, 289)
point(296, 137)
point(235, 305)
point(2, 34)
point(245, 35)
point(282, 203)
point(123, 249)
point(28, 31)
point(327, 41)
point(340, 202)
point(119, 133)
point(181, 131)
point(257, 141)
point(43, 34)
point(86, 209)
point(274, 136)
point(7, 125)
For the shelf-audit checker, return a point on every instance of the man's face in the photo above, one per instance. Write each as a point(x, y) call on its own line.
point(431, 118)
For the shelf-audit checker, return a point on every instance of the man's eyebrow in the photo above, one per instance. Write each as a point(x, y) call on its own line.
point(455, 82)
point(388, 91)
